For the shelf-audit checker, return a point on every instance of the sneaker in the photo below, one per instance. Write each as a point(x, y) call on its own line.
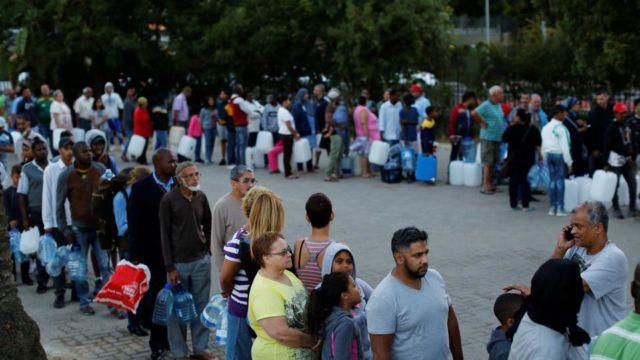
point(200, 161)
point(516, 208)
point(561, 212)
point(138, 331)
point(229, 167)
point(42, 289)
point(87, 310)
point(617, 213)
point(222, 162)
point(157, 354)
point(552, 211)
point(528, 209)
point(59, 302)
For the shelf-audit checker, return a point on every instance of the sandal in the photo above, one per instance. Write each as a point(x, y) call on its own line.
point(487, 192)
point(292, 177)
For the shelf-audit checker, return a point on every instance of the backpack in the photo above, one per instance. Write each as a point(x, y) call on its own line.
point(102, 209)
point(341, 115)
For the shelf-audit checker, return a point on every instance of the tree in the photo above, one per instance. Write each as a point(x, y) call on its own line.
point(19, 334)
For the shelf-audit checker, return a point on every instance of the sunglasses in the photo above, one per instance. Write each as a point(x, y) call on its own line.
point(283, 252)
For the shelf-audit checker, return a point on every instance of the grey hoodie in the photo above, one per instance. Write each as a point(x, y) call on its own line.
point(498, 346)
point(365, 289)
point(341, 334)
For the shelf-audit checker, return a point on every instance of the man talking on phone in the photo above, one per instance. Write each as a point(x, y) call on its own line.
point(603, 266)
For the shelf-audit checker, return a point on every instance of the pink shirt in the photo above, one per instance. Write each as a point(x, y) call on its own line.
point(372, 123)
point(195, 128)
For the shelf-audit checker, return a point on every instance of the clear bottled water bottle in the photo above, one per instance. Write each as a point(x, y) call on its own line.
point(47, 249)
point(164, 306)
point(54, 268)
point(108, 175)
point(14, 242)
point(76, 265)
point(212, 313)
point(184, 306)
point(221, 331)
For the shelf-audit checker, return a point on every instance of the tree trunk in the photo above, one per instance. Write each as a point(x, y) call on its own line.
point(19, 334)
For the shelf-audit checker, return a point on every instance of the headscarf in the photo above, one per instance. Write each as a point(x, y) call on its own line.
point(556, 296)
point(299, 99)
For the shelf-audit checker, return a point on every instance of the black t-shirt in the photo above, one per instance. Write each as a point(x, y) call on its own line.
point(523, 149)
point(321, 107)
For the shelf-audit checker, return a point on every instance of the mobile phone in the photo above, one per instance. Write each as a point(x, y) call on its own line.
point(567, 233)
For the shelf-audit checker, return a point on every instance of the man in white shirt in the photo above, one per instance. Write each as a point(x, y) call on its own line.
point(556, 150)
point(390, 118)
point(112, 106)
point(49, 186)
point(83, 107)
point(180, 108)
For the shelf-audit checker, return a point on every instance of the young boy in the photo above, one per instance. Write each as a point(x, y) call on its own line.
point(505, 309)
point(14, 218)
point(428, 129)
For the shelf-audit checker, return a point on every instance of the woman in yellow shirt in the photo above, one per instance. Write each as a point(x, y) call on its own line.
point(276, 304)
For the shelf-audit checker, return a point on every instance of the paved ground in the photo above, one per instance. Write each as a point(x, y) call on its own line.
point(477, 243)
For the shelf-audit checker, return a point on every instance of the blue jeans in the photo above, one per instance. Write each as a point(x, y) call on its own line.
point(242, 134)
point(209, 142)
point(45, 131)
point(344, 134)
point(116, 129)
point(238, 339)
point(557, 173)
point(129, 135)
point(195, 277)
point(161, 139)
point(231, 147)
point(198, 148)
point(86, 238)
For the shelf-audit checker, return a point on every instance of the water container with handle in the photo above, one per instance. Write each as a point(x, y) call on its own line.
point(187, 147)
point(14, 241)
point(175, 134)
point(456, 176)
point(249, 154)
point(301, 150)
point(56, 138)
point(571, 193)
point(136, 146)
point(17, 141)
point(407, 159)
point(213, 312)
point(623, 192)
point(221, 331)
point(468, 147)
point(472, 173)
point(76, 265)
point(54, 268)
point(164, 306)
point(584, 189)
point(183, 305)
point(379, 152)
point(603, 187)
point(29, 241)
point(78, 134)
point(47, 249)
point(264, 142)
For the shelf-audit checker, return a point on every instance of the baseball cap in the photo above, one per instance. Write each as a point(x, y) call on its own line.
point(620, 107)
point(3, 122)
point(238, 171)
point(64, 141)
point(416, 88)
point(333, 94)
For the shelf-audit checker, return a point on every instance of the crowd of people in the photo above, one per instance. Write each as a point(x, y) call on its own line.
point(304, 299)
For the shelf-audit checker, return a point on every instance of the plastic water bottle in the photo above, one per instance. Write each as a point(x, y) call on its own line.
point(212, 313)
point(47, 249)
point(164, 305)
point(184, 306)
point(14, 241)
point(54, 268)
point(108, 175)
point(76, 265)
point(221, 332)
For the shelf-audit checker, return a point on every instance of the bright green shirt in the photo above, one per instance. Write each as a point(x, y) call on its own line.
point(620, 342)
point(43, 110)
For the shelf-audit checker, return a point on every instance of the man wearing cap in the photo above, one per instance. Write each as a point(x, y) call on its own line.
point(98, 144)
point(6, 142)
point(227, 212)
point(30, 199)
point(185, 231)
point(619, 153)
point(421, 103)
point(49, 186)
point(112, 106)
point(83, 106)
point(556, 150)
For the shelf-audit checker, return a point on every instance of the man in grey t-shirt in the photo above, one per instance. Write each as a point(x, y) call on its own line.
point(604, 267)
point(410, 315)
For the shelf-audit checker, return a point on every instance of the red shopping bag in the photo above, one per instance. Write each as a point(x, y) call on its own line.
point(126, 287)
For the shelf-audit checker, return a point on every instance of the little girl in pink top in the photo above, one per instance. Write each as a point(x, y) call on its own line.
point(195, 131)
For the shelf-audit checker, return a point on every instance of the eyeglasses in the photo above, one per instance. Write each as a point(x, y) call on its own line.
point(190, 176)
point(283, 252)
point(247, 181)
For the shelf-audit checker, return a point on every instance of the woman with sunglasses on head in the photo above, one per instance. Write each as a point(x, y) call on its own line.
point(277, 304)
point(265, 213)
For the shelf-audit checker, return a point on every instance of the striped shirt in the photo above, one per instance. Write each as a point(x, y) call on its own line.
point(240, 293)
point(621, 341)
point(311, 273)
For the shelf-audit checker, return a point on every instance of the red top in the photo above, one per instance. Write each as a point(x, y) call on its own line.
point(453, 118)
point(142, 122)
point(239, 116)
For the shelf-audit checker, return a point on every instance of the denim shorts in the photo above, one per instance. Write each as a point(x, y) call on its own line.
point(222, 132)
